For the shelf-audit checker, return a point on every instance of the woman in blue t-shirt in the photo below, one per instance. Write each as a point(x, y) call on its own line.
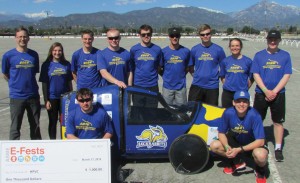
point(56, 77)
point(235, 72)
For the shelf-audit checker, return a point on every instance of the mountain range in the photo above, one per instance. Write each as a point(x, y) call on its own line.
point(261, 15)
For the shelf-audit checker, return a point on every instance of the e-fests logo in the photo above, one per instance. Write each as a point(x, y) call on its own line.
point(26, 154)
point(152, 137)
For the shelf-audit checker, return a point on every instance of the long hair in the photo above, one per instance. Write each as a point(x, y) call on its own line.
point(50, 56)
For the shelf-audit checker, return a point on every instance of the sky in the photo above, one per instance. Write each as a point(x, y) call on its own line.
point(57, 8)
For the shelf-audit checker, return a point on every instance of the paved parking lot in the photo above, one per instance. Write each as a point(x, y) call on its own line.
point(162, 171)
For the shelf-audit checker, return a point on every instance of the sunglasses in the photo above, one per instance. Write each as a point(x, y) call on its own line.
point(207, 34)
point(174, 35)
point(84, 100)
point(113, 38)
point(146, 34)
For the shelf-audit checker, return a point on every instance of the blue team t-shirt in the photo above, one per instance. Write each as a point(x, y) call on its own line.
point(206, 62)
point(57, 76)
point(271, 68)
point(245, 130)
point(21, 68)
point(85, 64)
point(145, 62)
point(236, 73)
point(174, 63)
point(93, 125)
point(117, 63)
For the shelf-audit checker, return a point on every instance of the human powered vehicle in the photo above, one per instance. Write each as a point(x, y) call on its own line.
point(146, 127)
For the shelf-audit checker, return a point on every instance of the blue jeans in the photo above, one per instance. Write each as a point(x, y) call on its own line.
point(17, 109)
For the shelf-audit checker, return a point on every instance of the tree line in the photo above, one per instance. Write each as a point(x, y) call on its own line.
point(76, 30)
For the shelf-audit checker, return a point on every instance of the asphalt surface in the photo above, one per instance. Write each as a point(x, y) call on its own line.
point(162, 171)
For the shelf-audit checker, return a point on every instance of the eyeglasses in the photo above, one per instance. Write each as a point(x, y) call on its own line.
point(146, 34)
point(114, 38)
point(84, 100)
point(207, 34)
point(174, 35)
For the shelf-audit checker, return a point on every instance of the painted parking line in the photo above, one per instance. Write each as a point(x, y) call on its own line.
point(5, 114)
point(9, 107)
point(295, 70)
point(273, 170)
point(4, 109)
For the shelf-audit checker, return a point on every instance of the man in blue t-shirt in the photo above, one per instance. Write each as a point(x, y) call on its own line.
point(19, 67)
point(205, 59)
point(272, 69)
point(175, 59)
point(88, 121)
point(145, 58)
point(241, 132)
point(84, 63)
point(114, 62)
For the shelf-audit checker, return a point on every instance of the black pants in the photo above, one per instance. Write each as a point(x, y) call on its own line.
point(53, 115)
point(227, 97)
point(17, 110)
point(209, 96)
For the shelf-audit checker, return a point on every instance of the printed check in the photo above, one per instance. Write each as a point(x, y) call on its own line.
point(53, 161)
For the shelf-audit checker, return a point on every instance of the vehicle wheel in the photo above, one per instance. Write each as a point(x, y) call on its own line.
point(188, 154)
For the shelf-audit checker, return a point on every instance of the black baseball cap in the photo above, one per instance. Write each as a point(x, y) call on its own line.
point(174, 31)
point(274, 34)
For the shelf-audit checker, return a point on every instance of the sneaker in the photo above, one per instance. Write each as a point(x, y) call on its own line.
point(260, 175)
point(278, 155)
point(234, 167)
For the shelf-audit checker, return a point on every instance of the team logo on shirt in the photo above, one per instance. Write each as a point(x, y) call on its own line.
point(236, 69)
point(117, 61)
point(25, 64)
point(85, 125)
point(88, 63)
point(145, 57)
point(205, 57)
point(58, 72)
point(152, 137)
point(272, 64)
point(175, 59)
point(239, 129)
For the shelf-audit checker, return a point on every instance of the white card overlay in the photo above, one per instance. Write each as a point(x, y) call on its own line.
point(212, 134)
point(55, 161)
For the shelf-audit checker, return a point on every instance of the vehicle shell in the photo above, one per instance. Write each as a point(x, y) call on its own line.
point(148, 131)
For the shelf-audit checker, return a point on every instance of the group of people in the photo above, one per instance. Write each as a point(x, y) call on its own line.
point(241, 131)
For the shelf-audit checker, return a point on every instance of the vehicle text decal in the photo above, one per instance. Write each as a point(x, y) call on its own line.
point(152, 137)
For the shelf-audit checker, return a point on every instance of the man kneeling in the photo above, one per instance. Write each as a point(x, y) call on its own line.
point(242, 132)
point(88, 121)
